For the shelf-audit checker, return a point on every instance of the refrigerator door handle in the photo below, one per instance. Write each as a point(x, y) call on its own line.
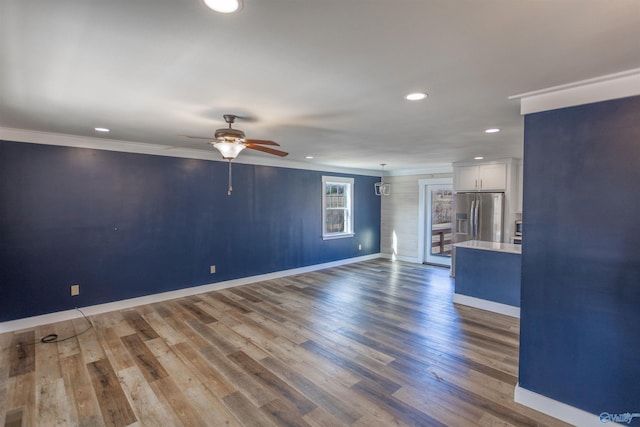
point(475, 220)
point(471, 219)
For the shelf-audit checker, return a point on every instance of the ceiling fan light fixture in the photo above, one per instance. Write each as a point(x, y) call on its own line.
point(230, 142)
point(229, 135)
point(229, 150)
point(224, 6)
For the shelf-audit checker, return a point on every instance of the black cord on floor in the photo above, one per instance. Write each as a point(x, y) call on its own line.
point(51, 338)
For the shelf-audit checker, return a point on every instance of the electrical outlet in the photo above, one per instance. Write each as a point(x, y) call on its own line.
point(75, 290)
point(359, 247)
point(212, 269)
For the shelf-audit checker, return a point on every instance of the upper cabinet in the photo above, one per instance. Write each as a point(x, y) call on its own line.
point(482, 177)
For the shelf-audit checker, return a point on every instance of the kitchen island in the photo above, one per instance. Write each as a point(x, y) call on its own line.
point(487, 276)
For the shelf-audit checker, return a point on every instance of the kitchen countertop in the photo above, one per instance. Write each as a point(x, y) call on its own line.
point(490, 246)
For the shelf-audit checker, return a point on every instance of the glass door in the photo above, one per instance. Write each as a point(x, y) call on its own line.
point(438, 236)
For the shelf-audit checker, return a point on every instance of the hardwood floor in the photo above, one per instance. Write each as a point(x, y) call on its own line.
point(369, 344)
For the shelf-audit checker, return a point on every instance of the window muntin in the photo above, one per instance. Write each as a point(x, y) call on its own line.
point(337, 207)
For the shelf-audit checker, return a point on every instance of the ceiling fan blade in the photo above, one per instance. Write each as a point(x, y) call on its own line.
point(210, 138)
point(267, 150)
point(261, 142)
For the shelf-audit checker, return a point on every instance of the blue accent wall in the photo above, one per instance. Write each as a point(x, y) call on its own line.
point(125, 225)
point(580, 312)
point(488, 275)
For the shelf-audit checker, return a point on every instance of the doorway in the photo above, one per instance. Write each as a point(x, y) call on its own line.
point(436, 207)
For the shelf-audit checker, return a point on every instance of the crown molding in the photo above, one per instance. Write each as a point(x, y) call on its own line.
point(420, 171)
point(603, 88)
point(48, 138)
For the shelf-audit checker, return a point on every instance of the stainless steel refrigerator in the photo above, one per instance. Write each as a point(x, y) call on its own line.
point(477, 216)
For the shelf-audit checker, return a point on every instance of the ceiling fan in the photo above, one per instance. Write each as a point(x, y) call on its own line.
point(230, 142)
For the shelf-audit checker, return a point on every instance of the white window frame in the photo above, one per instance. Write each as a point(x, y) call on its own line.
point(349, 230)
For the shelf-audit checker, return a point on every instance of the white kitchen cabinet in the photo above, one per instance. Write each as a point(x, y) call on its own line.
point(465, 178)
point(483, 177)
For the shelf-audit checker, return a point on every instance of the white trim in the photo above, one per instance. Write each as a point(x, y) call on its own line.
point(612, 86)
point(350, 185)
point(557, 409)
point(30, 322)
point(422, 187)
point(483, 304)
point(47, 138)
point(393, 257)
point(333, 236)
point(500, 161)
point(579, 83)
point(102, 143)
point(420, 171)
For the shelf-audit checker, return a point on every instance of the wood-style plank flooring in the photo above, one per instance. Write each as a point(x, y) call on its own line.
point(377, 343)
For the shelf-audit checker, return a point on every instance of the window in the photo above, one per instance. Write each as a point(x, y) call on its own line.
point(337, 207)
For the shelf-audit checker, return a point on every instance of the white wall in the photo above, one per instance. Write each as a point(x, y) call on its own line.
point(400, 216)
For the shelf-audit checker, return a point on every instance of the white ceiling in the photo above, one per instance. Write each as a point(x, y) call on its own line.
point(322, 77)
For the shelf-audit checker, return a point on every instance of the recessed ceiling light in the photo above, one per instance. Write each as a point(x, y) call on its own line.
point(492, 130)
point(308, 157)
point(416, 96)
point(224, 6)
point(478, 158)
point(101, 129)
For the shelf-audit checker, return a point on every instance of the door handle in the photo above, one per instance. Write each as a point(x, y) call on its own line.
point(475, 220)
point(471, 217)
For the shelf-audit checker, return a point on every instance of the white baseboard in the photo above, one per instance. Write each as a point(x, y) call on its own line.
point(400, 258)
point(559, 410)
point(483, 304)
point(30, 322)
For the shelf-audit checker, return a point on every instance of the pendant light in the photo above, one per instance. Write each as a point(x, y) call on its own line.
point(381, 188)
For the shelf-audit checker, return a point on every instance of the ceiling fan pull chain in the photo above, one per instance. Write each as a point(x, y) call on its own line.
point(230, 187)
